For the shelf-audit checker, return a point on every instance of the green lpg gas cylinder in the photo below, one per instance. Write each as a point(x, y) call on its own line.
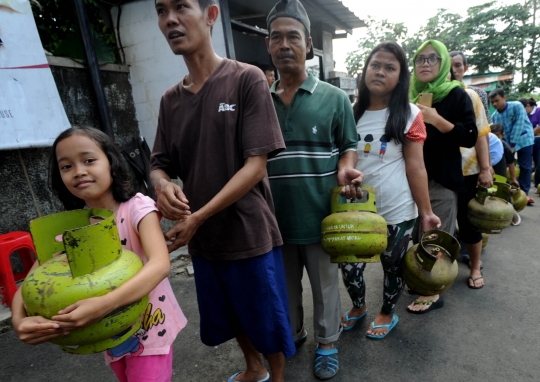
point(490, 212)
point(519, 198)
point(354, 233)
point(92, 264)
point(517, 172)
point(429, 267)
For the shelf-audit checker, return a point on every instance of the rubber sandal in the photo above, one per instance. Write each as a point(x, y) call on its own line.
point(473, 280)
point(432, 305)
point(301, 340)
point(355, 319)
point(232, 379)
point(390, 326)
point(530, 201)
point(516, 219)
point(326, 363)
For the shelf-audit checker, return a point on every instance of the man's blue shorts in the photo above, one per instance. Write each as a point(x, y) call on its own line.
point(245, 296)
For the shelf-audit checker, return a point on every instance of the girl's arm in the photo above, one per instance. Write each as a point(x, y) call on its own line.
point(418, 182)
point(32, 330)
point(88, 311)
point(512, 170)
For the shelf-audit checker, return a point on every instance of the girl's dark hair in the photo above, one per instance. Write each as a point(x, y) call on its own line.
point(524, 101)
point(399, 109)
point(121, 185)
point(497, 128)
point(531, 101)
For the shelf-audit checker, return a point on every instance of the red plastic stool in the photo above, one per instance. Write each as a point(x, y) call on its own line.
point(10, 242)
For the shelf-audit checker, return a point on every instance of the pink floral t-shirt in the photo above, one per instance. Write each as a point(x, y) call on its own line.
point(163, 318)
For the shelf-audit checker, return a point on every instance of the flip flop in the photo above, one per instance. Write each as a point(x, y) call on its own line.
point(390, 326)
point(232, 379)
point(355, 319)
point(473, 280)
point(432, 305)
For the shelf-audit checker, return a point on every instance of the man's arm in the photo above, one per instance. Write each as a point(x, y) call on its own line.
point(348, 176)
point(485, 177)
point(253, 171)
point(346, 139)
point(172, 202)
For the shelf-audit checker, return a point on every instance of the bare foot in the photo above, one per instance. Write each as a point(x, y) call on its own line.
point(381, 319)
point(476, 281)
point(354, 312)
point(417, 306)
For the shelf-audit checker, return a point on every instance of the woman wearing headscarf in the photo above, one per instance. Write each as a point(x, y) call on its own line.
point(450, 124)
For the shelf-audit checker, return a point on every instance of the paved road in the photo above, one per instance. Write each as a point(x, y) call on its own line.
point(490, 334)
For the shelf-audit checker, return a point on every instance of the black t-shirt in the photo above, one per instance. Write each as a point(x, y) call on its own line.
point(508, 154)
point(441, 151)
point(204, 139)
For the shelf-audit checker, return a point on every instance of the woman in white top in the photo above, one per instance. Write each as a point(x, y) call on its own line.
point(391, 133)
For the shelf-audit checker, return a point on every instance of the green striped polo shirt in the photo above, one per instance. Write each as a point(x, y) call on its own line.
point(318, 126)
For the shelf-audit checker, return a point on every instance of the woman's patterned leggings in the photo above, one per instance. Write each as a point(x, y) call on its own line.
point(391, 260)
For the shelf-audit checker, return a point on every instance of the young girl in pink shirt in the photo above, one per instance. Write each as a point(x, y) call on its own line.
point(87, 169)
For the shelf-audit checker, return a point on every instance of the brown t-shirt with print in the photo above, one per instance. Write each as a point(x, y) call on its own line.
point(204, 139)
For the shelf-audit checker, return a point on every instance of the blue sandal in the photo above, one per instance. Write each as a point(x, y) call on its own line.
point(355, 319)
point(302, 339)
point(326, 363)
point(390, 326)
point(232, 379)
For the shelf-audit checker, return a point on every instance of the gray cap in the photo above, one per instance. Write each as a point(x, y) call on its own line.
point(295, 10)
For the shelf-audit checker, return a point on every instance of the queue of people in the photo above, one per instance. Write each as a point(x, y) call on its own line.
point(257, 167)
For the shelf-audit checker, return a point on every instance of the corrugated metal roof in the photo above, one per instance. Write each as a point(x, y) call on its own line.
point(338, 9)
point(331, 13)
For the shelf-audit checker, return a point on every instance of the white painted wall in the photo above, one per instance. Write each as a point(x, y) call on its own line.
point(153, 66)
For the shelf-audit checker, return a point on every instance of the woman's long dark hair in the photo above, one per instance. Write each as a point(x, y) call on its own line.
point(399, 109)
point(528, 102)
point(121, 185)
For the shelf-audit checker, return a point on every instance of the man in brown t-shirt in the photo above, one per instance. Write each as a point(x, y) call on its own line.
point(216, 130)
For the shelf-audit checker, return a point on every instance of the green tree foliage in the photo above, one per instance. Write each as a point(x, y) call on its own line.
point(377, 32)
point(58, 29)
point(499, 35)
point(494, 36)
point(445, 27)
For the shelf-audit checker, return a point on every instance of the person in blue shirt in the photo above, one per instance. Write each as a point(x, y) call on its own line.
point(518, 132)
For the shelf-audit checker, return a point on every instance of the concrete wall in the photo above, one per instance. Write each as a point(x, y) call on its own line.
point(328, 57)
point(17, 205)
point(153, 66)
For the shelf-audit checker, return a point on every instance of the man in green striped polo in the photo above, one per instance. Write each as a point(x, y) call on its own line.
point(319, 130)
